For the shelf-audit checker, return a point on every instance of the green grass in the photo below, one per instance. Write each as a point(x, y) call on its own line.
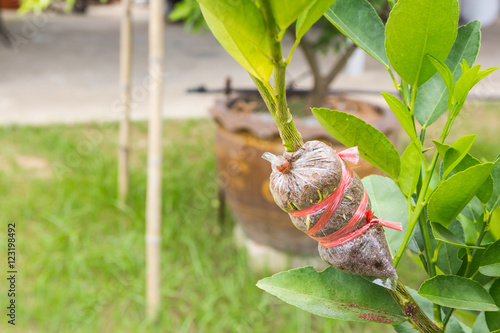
point(81, 257)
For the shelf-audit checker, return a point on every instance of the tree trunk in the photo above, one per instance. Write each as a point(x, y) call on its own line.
point(317, 96)
point(322, 83)
point(4, 33)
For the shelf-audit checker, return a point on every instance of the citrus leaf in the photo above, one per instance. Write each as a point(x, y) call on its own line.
point(410, 169)
point(352, 131)
point(454, 193)
point(474, 210)
point(490, 262)
point(388, 203)
point(480, 324)
point(310, 16)
point(443, 70)
point(493, 318)
point(447, 259)
point(334, 294)
point(445, 235)
point(494, 201)
point(470, 77)
point(457, 292)
point(454, 156)
point(442, 148)
point(416, 28)
point(403, 114)
point(485, 191)
point(358, 20)
point(432, 97)
point(286, 12)
point(239, 28)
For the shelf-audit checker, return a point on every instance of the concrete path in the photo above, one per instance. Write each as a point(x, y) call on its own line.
point(64, 68)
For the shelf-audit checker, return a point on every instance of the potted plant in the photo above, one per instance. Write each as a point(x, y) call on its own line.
point(443, 196)
point(245, 131)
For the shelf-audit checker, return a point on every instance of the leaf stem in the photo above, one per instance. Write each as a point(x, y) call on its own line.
point(289, 58)
point(447, 317)
point(431, 266)
point(292, 140)
point(424, 196)
point(412, 310)
point(482, 233)
point(421, 202)
point(391, 74)
point(412, 102)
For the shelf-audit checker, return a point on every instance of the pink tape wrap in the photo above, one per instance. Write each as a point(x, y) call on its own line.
point(332, 202)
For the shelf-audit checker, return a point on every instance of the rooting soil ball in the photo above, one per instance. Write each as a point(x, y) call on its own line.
point(326, 200)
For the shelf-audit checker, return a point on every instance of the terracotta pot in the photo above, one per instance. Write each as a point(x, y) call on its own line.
point(241, 139)
point(9, 4)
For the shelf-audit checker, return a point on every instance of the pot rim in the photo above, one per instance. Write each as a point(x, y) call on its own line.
point(261, 124)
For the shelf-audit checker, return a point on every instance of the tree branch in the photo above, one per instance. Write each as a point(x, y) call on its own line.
point(311, 59)
point(340, 64)
point(412, 310)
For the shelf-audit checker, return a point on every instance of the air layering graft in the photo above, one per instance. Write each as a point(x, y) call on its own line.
point(326, 200)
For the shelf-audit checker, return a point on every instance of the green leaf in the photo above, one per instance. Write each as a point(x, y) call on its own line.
point(417, 28)
point(286, 12)
point(458, 150)
point(403, 114)
point(441, 148)
point(326, 294)
point(480, 324)
point(358, 20)
point(465, 83)
point(473, 210)
point(312, 14)
point(239, 28)
point(443, 70)
point(493, 318)
point(485, 191)
point(432, 97)
point(352, 131)
point(453, 194)
point(469, 227)
point(457, 292)
point(388, 204)
point(445, 235)
point(411, 161)
point(494, 201)
point(490, 262)
point(470, 77)
point(447, 259)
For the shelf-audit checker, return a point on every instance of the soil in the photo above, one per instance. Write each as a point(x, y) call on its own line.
point(298, 107)
point(316, 172)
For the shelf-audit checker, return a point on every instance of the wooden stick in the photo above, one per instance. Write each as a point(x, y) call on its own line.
point(153, 200)
point(125, 85)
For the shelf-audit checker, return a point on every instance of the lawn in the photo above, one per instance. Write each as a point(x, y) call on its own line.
point(81, 256)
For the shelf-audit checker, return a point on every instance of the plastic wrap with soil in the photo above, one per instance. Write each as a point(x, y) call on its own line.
point(326, 200)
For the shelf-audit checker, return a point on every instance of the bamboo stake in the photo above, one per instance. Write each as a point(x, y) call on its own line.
point(153, 200)
point(125, 85)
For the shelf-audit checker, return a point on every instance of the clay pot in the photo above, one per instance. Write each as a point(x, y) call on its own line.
point(242, 138)
point(9, 4)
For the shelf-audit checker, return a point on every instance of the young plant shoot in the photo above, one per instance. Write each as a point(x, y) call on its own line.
point(440, 198)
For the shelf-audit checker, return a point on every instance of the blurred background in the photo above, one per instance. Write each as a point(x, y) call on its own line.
point(81, 251)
